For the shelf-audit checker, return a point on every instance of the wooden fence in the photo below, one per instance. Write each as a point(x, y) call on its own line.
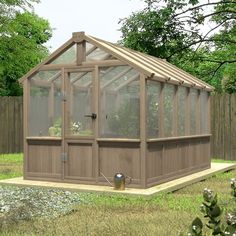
point(11, 124)
point(223, 125)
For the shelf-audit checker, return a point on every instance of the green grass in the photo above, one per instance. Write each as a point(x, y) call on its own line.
point(102, 214)
point(11, 158)
point(222, 161)
point(10, 165)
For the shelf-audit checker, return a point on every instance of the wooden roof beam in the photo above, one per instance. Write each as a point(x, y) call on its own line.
point(54, 55)
point(43, 83)
point(101, 44)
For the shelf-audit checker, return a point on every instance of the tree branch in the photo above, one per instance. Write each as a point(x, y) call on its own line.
point(204, 37)
point(205, 16)
point(203, 5)
point(200, 41)
point(221, 63)
point(218, 12)
point(218, 61)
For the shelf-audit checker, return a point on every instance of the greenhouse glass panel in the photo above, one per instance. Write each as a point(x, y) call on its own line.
point(80, 103)
point(95, 54)
point(182, 98)
point(153, 103)
point(119, 103)
point(204, 112)
point(68, 57)
point(45, 104)
point(193, 111)
point(169, 91)
point(111, 74)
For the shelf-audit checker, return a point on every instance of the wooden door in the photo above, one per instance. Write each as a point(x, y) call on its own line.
point(79, 130)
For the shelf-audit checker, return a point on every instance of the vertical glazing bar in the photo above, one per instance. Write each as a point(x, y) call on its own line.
point(143, 119)
point(63, 119)
point(96, 104)
point(26, 101)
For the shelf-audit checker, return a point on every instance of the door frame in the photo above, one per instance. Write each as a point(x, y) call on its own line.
point(76, 139)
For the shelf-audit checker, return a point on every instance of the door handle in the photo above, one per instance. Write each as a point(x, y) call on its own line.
point(93, 116)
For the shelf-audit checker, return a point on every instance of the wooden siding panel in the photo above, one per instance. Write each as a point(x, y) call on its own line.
point(183, 152)
point(115, 158)
point(205, 152)
point(154, 160)
point(80, 160)
point(44, 157)
point(171, 159)
point(193, 154)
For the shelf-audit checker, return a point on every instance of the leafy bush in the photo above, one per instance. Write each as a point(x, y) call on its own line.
point(213, 213)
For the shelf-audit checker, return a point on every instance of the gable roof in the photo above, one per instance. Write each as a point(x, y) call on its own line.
point(149, 65)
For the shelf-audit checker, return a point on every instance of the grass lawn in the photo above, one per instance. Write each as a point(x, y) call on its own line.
point(10, 165)
point(165, 214)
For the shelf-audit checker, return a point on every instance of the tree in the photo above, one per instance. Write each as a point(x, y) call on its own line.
point(22, 35)
point(172, 30)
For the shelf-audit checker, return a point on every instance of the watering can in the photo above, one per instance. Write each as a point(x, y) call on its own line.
point(119, 181)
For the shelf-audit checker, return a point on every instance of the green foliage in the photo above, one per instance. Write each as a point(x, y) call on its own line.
point(153, 31)
point(233, 187)
point(212, 211)
point(196, 227)
point(55, 130)
point(22, 35)
point(172, 30)
point(124, 122)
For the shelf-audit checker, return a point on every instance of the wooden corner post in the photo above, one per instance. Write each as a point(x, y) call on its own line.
point(143, 144)
point(26, 96)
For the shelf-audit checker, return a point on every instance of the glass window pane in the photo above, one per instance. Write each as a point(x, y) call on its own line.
point(193, 111)
point(112, 74)
point(45, 104)
point(80, 104)
point(169, 91)
point(95, 54)
point(204, 112)
point(153, 99)
point(119, 102)
point(182, 98)
point(68, 57)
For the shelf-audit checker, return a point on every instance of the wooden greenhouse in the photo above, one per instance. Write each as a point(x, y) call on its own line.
point(94, 108)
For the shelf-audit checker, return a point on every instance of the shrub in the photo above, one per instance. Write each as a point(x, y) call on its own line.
point(213, 213)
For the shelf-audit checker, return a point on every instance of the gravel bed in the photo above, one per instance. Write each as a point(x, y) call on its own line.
point(24, 203)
